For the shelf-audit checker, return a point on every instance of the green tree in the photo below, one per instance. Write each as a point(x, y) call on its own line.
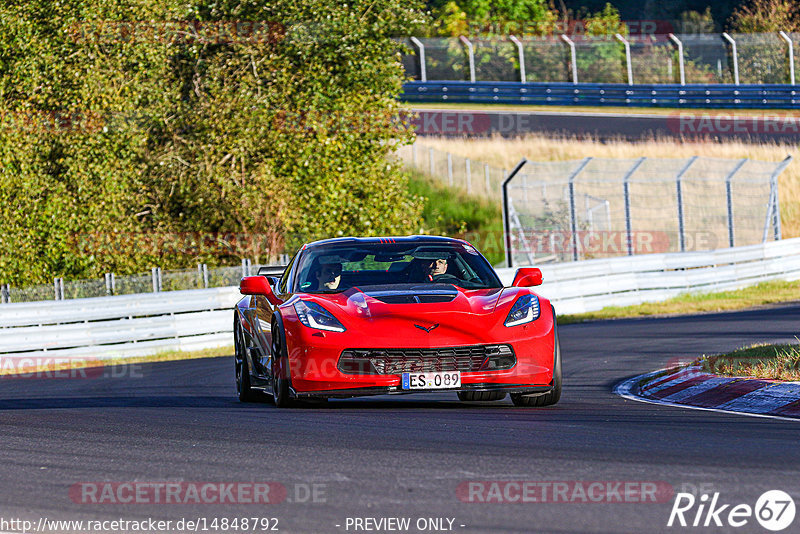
point(762, 16)
point(762, 54)
point(601, 58)
point(140, 133)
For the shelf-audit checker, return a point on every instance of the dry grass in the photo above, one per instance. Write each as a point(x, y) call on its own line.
point(505, 153)
point(772, 362)
point(763, 294)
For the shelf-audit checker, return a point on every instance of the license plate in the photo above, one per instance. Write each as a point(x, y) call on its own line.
point(437, 380)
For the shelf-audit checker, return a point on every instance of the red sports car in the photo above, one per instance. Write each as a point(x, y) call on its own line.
point(373, 316)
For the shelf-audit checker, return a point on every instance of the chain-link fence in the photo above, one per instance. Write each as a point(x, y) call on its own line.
point(154, 281)
point(593, 208)
point(763, 58)
point(474, 177)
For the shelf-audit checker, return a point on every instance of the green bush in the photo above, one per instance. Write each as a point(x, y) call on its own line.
point(143, 132)
point(451, 212)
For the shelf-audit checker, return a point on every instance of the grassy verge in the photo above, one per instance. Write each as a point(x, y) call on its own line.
point(605, 109)
point(452, 212)
point(774, 362)
point(764, 293)
point(64, 363)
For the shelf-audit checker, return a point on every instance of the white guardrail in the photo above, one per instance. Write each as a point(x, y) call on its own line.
point(133, 325)
point(127, 325)
point(589, 285)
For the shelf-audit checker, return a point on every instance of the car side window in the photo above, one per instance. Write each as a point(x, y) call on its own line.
point(283, 287)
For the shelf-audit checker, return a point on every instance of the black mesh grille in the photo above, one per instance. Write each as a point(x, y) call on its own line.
point(396, 361)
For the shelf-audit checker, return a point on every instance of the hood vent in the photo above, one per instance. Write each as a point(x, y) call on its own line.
point(413, 295)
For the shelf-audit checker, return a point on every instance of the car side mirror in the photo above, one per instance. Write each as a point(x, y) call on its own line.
point(527, 277)
point(258, 285)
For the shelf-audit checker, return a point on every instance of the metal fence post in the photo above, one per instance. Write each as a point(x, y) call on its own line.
point(791, 55)
point(244, 267)
point(681, 67)
point(506, 214)
point(486, 175)
point(626, 190)
point(573, 215)
point(423, 75)
point(205, 276)
point(469, 176)
point(156, 275)
point(471, 53)
point(776, 211)
point(58, 286)
point(414, 154)
point(110, 283)
point(574, 56)
point(729, 195)
point(5, 290)
point(625, 42)
point(430, 157)
point(521, 54)
point(732, 41)
point(679, 193)
point(450, 168)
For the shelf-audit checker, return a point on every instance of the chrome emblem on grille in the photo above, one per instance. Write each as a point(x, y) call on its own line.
point(426, 329)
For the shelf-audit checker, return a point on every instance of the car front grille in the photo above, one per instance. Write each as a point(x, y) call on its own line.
point(396, 361)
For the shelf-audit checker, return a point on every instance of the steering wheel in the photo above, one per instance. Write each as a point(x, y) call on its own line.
point(445, 278)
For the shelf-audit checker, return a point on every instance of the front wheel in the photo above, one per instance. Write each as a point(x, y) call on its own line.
point(547, 399)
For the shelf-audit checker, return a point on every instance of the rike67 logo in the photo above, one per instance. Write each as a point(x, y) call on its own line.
point(774, 510)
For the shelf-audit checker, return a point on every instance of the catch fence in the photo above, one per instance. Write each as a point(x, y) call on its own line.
point(472, 176)
point(680, 58)
point(596, 207)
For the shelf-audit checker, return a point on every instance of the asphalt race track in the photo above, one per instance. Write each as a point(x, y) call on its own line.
point(403, 456)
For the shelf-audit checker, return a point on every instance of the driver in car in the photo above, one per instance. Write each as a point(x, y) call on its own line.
point(328, 276)
point(437, 269)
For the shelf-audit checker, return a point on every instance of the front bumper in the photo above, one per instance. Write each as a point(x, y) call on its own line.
point(314, 356)
point(525, 389)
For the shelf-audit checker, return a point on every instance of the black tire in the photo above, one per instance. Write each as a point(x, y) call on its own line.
point(244, 389)
point(280, 370)
point(481, 396)
point(547, 399)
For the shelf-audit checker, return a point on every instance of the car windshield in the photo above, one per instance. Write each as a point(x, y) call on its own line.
point(336, 267)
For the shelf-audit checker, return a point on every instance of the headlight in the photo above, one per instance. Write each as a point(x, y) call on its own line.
point(313, 315)
point(525, 310)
